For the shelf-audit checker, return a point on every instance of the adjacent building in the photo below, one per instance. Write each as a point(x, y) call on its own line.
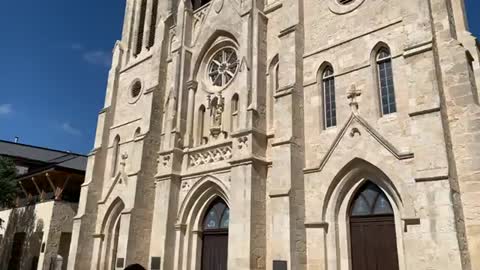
point(36, 234)
point(286, 134)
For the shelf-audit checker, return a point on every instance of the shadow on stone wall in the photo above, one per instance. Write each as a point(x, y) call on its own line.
point(21, 222)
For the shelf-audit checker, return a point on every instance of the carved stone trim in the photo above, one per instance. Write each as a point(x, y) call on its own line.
point(379, 138)
point(210, 155)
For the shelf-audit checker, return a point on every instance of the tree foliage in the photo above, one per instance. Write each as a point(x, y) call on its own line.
point(8, 184)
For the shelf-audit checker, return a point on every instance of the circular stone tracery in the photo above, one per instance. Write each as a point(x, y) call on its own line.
point(223, 66)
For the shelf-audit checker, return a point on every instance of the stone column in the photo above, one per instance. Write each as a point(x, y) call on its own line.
point(192, 88)
point(164, 214)
point(286, 189)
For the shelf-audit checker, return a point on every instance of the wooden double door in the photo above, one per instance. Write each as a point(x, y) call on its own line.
point(373, 242)
point(215, 251)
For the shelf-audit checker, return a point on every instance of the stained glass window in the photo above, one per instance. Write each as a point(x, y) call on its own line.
point(217, 217)
point(371, 201)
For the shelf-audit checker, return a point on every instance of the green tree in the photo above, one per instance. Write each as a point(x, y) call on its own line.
point(8, 184)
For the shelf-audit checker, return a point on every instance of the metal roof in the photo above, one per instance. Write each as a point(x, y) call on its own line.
point(44, 155)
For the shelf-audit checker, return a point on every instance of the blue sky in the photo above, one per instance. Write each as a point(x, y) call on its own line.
point(55, 59)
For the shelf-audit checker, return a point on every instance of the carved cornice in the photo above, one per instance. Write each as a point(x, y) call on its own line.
point(418, 49)
point(316, 225)
point(423, 112)
point(278, 193)
point(287, 31)
point(248, 161)
point(284, 91)
point(432, 178)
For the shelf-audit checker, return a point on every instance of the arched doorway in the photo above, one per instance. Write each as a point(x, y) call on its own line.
point(215, 236)
point(372, 230)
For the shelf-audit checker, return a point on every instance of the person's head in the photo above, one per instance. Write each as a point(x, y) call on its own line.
point(134, 267)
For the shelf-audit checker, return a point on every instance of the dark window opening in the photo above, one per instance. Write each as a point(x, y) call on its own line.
point(196, 4)
point(141, 27)
point(153, 24)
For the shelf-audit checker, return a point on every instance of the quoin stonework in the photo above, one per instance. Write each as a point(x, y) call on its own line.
point(286, 135)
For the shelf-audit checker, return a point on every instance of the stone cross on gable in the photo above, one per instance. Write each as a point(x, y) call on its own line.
point(124, 160)
point(352, 94)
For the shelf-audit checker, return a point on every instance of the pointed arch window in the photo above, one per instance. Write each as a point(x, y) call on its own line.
point(385, 81)
point(370, 201)
point(115, 155)
point(217, 217)
point(329, 104)
point(274, 85)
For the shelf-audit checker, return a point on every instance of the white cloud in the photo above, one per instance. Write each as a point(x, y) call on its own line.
point(6, 109)
point(94, 57)
point(98, 57)
point(71, 130)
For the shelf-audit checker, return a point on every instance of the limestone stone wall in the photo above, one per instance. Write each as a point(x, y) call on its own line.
point(287, 179)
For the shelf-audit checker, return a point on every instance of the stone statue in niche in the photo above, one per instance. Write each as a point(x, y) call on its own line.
point(216, 105)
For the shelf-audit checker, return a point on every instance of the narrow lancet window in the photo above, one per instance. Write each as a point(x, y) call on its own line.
point(385, 81)
point(153, 24)
point(115, 155)
point(234, 108)
point(201, 126)
point(328, 85)
point(141, 26)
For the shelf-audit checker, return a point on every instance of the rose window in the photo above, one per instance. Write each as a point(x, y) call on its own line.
point(223, 67)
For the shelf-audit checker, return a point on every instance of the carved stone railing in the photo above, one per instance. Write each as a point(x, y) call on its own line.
point(198, 19)
point(210, 155)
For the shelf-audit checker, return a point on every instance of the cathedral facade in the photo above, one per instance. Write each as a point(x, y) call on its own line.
point(286, 134)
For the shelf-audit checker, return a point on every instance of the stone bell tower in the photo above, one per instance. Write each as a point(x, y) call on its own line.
point(113, 223)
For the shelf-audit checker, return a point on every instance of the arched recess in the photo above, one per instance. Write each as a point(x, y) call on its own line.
point(274, 84)
point(190, 220)
point(337, 205)
point(111, 233)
